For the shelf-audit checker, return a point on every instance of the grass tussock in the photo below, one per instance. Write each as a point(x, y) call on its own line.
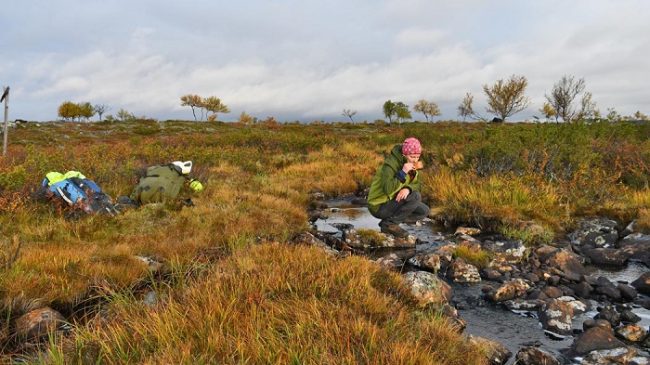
point(529, 233)
point(332, 171)
point(278, 304)
point(491, 201)
point(641, 200)
point(473, 254)
point(371, 237)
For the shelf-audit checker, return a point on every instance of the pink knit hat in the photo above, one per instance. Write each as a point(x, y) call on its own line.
point(411, 146)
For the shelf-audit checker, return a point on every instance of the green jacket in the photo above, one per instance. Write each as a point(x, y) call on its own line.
point(388, 180)
point(162, 183)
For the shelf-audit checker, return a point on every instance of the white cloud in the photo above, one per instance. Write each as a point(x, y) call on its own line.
point(313, 66)
point(419, 38)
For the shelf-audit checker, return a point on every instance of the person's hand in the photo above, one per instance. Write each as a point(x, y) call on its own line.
point(402, 194)
point(196, 185)
point(408, 167)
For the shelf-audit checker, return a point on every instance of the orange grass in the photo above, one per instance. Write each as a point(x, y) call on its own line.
point(275, 304)
point(250, 195)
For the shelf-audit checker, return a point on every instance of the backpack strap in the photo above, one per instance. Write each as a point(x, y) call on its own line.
point(63, 195)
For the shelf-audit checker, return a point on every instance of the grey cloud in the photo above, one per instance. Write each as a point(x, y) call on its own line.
point(302, 60)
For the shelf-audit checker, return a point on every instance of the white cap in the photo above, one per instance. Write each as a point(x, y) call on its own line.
point(183, 167)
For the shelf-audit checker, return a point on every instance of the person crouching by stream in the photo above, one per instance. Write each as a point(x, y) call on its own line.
point(394, 195)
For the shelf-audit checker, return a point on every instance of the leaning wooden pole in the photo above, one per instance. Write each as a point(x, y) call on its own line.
point(5, 97)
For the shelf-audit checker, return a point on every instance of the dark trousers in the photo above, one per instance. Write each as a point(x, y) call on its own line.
point(408, 210)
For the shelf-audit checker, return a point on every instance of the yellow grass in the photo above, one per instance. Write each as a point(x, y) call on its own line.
point(641, 199)
point(473, 255)
point(493, 202)
point(275, 304)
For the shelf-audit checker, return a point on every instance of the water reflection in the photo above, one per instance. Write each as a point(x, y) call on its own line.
point(359, 217)
point(624, 275)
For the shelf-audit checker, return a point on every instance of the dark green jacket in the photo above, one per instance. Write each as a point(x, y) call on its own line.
point(162, 183)
point(390, 179)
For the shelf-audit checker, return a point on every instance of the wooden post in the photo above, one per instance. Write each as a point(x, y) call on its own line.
point(5, 97)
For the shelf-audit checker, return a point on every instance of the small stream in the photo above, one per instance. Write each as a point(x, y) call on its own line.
point(485, 319)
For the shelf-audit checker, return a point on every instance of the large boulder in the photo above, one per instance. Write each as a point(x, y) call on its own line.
point(642, 284)
point(38, 323)
point(511, 252)
point(637, 247)
point(496, 353)
point(607, 288)
point(597, 232)
point(628, 293)
point(631, 332)
point(509, 290)
point(552, 291)
point(615, 356)
point(610, 314)
point(529, 355)
point(556, 316)
point(595, 338)
point(463, 273)
point(565, 263)
point(427, 261)
point(607, 256)
point(544, 252)
point(582, 289)
point(578, 306)
point(629, 317)
point(427, 287)
point(446, 253)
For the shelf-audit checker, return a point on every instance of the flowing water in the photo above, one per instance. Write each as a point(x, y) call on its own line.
point(487, 320)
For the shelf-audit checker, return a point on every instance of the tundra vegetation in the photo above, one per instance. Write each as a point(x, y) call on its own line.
point(232, 287)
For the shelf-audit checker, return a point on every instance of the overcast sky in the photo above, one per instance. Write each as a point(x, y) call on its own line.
point(309, 60)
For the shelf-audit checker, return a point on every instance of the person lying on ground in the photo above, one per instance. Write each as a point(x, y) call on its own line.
point(163, 183)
